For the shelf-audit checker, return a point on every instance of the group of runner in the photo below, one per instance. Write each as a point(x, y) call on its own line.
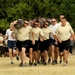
point(42, 40)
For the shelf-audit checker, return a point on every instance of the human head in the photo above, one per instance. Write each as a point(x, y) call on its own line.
point(61, 16)
point(26, 23)
point(53, 21)
point(11, 25)
point(36, 23)
point(46, 24)
point(63, 21)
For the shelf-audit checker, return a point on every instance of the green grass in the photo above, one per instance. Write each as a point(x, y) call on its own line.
point(7, 69)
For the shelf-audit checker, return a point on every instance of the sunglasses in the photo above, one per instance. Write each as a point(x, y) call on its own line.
point(26, 23)
point(53, 21)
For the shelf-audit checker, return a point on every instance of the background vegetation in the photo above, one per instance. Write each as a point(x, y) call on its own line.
point(11, 10)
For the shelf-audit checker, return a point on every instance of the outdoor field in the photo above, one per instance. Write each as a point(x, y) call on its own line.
point(13, 69)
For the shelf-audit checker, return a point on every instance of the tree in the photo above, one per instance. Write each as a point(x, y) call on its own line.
point(11, 10)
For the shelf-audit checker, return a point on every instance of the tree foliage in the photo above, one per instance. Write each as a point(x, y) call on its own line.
point(11, 10)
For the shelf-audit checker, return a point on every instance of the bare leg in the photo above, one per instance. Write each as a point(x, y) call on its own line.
point(65, 56)
point(45, 56)
point(10, 55)
point(30, 56)
point(24, 55)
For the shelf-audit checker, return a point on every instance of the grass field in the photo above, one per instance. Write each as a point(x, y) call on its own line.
point(13, 69)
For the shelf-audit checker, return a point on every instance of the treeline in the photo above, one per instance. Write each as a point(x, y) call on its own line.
point(11, 10)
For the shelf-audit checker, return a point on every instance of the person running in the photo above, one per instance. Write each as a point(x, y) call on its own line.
point(60, 23)
point(47, 31)
point(11, 43)
point(22, 36)
point(36, 33)
point(64, 39)
point(54, 47)
point(61, 17)
point(71, 45)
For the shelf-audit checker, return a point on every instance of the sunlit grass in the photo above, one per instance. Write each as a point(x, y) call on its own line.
point(8, 69)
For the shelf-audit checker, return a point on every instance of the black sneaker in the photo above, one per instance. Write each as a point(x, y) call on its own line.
point(53, 63)
point(20, 64)
point(38, 62)
point(17, 57)
point(45, 63)
point(35, 64)
point(60, 61)
point(12, 62)
point(23, 65)
point(49, 60)
point(30, 63)
point(41, 62)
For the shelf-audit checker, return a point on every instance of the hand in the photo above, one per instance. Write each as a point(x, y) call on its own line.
point(13, 35)
point(56, 43)
point(60, 41)
point(15, 22)
point(33, 42)
point(41, 39)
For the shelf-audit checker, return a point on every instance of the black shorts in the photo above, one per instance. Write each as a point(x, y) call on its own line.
point(64, 45)
point(29, 46)
point(6, 49)
point(21, 44)
point(52, 41)
point(40, 46)
point(44, 45)
point(35, 46)
point(2, 50)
